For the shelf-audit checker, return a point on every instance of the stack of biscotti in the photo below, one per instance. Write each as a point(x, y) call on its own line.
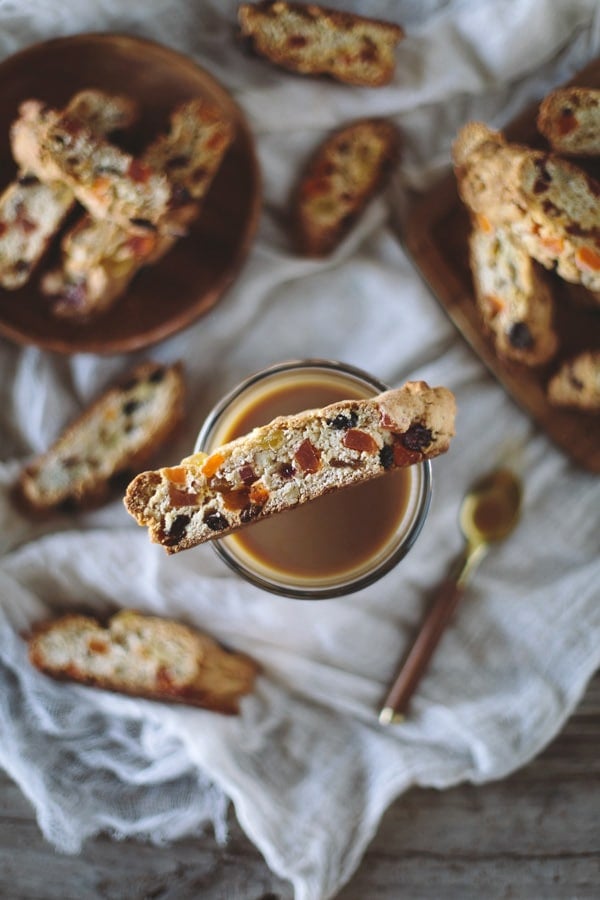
point(100, 257)
point(135, 208)
point(144, 656)
point(315, 40)
point(290, 461)
point(32, 211)
point(532, 208)
point(110, 440)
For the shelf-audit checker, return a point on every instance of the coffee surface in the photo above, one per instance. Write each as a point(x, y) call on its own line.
point(337, 533)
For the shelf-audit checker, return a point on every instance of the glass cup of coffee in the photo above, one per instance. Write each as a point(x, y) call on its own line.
point(341, 542)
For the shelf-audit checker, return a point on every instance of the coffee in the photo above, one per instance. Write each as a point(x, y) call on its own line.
point(335, 539)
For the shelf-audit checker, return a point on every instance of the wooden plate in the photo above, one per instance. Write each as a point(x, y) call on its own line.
point(191, 278)
point(436, 236)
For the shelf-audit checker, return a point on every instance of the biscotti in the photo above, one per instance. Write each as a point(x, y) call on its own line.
point(550, 204)
point(315, 40)
point(577, 383)
point(109, 182)
point(349, 167)
point(100, 257)
point(513, 295)
point(292, 460)
point(31, 212)
point(114, 437)
point(569, 118)
point(144, 656)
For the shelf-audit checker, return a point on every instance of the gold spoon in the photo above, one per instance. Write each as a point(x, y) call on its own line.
point(488, 513)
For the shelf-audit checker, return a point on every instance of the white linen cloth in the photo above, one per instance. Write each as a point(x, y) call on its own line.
point(306, 764)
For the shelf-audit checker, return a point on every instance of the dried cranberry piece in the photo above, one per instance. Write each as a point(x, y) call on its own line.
point(177, 162)
point(520, 336)
point(216, 521)
point(417, 437)
point(247, 474)
point(143, 223)
point(28, 180)
point(343, 421)
point(177, 530)
point(386, 456)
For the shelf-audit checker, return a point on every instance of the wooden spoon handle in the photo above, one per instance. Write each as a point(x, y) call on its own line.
point(415, 663)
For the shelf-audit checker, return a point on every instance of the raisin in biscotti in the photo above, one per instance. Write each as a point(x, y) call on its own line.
point(550, 204)
point(290, 461)
point(347, 170)
point(31, 212)
point(315, 40)
point(114, 437)
point(577, 383)
point(144, 656)
point(100, 258)
point(513, 295)
point(109, 182)
point(569, 118)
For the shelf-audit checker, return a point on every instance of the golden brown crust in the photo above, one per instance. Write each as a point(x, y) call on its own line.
point(290, 461)
point(143, 656)
point(116, 435)
point(315, 40)
point(345, 172)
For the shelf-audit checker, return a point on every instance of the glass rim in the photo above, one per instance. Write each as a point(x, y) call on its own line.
point(346, 585)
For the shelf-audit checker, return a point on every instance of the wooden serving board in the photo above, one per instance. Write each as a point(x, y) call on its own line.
point(436, 236)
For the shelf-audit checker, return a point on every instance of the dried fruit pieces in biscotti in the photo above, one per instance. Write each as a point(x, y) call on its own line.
point(109, 182)
point(144, 656)
point(100, 257)
point(569, 118)
point(550, 204)
point(513, 295)
point(314, 40)
point(31, 212)
point(347, 169)
point(116, 435)
point(290, 461)
point(577, 383)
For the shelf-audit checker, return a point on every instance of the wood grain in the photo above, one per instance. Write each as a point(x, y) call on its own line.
point(436, 235)
point(192, 277)
point(532, 836)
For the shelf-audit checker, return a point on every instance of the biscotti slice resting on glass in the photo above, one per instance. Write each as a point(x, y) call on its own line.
point(109, 182)
point(576, 384)
point(513, 295)
point(569, 118)
point(113, 437)
point(100, 258)
point(290, 461)
point(550, 204)
point(346, 171)
point(31, 212)
point(315, 40)
point(144, 656)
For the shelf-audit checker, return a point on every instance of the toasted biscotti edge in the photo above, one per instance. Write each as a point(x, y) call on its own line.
point(202, 673)
point(28, 495)
point(290, 461)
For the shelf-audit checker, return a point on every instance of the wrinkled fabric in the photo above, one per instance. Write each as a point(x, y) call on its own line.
point(306, 764)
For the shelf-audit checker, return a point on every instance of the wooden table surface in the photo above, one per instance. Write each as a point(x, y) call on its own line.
point(534, 835)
